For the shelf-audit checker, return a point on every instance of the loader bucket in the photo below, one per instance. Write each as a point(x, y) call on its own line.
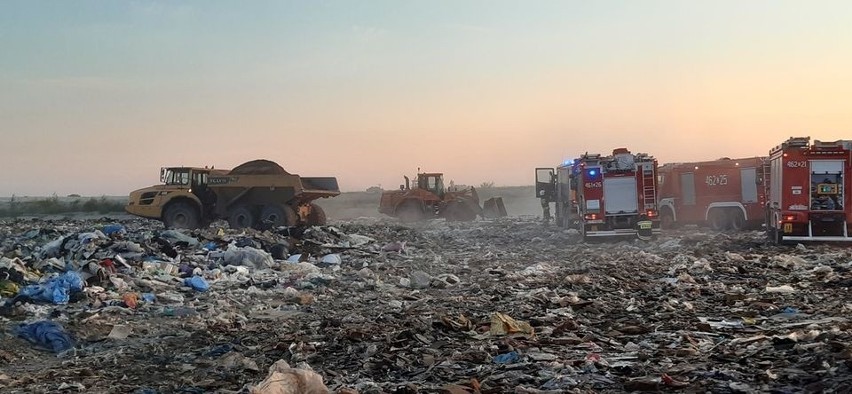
point(494, 208)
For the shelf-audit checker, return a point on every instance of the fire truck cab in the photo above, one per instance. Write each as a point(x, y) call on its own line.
point(726, 194)
point(603, 196)
point(807, 191)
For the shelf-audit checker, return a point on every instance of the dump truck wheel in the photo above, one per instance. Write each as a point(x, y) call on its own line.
point(241, 217)
point(410, 211)
point(181, 214)
point(317, 216)
point(737, 220)
point(278, 215)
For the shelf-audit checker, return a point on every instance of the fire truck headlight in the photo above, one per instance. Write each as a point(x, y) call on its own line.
point(789, 218)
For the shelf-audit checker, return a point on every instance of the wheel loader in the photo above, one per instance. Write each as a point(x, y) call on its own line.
point(428, 199)
point(255, 194)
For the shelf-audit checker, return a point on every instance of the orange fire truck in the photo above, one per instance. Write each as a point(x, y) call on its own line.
point(602, 196)
point(724, 193)
point(807, 191)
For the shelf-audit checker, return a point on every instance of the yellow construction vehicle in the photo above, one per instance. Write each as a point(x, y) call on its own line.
point(254, 194)
point(428, 199)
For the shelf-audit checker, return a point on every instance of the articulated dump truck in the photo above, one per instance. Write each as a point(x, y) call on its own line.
point(255, 194)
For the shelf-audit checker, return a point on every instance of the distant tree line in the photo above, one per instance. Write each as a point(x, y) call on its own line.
point(54, 205)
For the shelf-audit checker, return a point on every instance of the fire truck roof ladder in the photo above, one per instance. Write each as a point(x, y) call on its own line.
point(796, 142)
point(648, 189)
point(844, 144)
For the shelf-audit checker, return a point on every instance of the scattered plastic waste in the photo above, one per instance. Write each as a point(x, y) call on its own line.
point(177, 236)
point(523, 307)
point(247, 256)
point(197, 283)
point(285, 380)
point(780, 289)
point(57, 290)
point(114, 229)
point(45, 334)
point(507, 358)
point(331, 259)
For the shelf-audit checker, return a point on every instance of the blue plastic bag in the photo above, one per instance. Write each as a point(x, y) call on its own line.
point(45, 334)
point(114, 228)
point(507, 358)
point(197, 283)
point(56, 290)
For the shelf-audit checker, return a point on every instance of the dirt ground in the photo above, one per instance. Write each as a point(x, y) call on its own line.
point(507, 305)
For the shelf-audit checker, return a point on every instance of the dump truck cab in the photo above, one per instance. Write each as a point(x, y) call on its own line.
point(178, 184)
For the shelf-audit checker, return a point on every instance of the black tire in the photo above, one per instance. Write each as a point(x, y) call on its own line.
point(737, 220)
point(459, 211)
point(278, 215)
point(181, 214)
point(586, 237)
point(317, 216)
point(242, 216)
point(718, 220)
point(410, 211)
point(775, 236)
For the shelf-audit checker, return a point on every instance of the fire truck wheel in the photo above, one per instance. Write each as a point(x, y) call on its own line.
point(410, 211)
point(737, 219)
point(181, 214)
point(718, 220)
point(241, 217)
point(278, 215)
point(317, 216)
point(667, 219)
point(776, 236)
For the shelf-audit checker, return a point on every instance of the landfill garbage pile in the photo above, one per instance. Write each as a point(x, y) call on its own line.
point(375, 306)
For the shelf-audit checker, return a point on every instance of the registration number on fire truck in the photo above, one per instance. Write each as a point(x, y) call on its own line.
point(716, 180)
point(788, 227)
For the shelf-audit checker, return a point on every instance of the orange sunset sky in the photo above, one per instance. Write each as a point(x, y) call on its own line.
point(96, 96)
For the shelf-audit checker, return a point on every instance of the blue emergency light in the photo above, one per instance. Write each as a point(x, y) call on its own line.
point(592, 172)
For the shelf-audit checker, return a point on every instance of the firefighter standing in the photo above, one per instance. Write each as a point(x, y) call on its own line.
point(644, 228)
point(545, 207)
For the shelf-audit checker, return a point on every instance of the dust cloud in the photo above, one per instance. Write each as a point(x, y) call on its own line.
point(519, 201)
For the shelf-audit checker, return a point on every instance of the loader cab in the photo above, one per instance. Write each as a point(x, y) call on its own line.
point(433, 182)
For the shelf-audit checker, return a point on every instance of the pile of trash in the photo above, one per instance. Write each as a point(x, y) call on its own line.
point(373, 306)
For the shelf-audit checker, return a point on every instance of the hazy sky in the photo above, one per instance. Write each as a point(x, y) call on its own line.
point(96, 96)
